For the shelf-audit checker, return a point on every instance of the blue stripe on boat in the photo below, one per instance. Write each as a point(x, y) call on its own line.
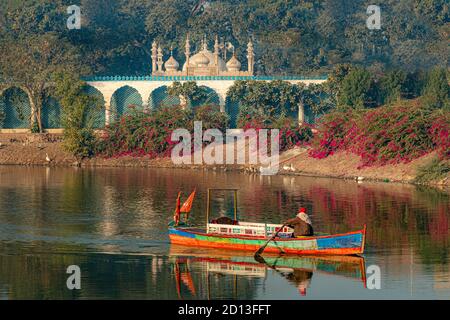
point(348, 241)
point(181, 233)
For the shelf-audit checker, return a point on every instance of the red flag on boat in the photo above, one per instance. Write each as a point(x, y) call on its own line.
point(187, 205)
point(176, 215)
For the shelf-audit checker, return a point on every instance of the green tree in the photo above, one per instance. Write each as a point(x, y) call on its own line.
point(188, 91)
point(436, 92)
point(30, 63)
point(79, 136)
point(266, 98)
point(393, 86)
point(358, 90)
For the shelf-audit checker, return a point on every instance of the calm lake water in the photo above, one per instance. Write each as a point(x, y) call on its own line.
point(112, 223)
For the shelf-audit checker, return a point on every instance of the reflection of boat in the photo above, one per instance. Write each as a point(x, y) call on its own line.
point(297, 270)
point(226, 262)
point(238, 235)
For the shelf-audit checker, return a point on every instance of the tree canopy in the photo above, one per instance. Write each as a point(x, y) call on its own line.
point(291, 37)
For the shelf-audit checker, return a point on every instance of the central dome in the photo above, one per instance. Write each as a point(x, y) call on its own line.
point(211, 60)
point(200, 60)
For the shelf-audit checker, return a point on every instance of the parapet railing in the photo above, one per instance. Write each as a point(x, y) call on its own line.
point(199, 78)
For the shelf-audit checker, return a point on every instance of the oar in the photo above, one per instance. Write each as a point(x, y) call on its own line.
point(261, 250)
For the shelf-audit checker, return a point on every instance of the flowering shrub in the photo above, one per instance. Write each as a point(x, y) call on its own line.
point(384, 135)
point(440, 133)
point(139, 133)
point(211, 117)
point(252, 121)
point(335, 131)
point(291, 135)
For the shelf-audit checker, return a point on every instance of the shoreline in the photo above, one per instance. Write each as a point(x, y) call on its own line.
point(31, 150)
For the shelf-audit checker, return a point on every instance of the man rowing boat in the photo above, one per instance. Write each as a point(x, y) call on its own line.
point(301, 223)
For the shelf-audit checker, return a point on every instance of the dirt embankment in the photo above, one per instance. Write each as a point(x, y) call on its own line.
point(46, 150)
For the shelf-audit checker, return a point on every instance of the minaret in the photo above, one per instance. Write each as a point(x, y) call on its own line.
point(154, 56)
point(187, 52)
point(160, 59)
point(205, 44)
point(250, 57)
point(216, 54)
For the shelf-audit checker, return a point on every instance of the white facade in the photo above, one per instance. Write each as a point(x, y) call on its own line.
point(145, 88)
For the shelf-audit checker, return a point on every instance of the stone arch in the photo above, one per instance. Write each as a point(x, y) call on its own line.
point(212, 98)
point(232, 110)
point(51, 111)
point(160, 98)
point(95, 114)
point(15, 109)
point(123, 100)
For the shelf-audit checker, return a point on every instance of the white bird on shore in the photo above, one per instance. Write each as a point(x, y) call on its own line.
point(360, 178)
point(289, 168)
point(47, 158)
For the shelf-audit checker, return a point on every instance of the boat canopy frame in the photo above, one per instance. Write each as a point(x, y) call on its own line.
point(208, 201)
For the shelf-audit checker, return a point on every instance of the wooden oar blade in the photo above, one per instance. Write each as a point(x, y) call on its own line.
point(261, 250)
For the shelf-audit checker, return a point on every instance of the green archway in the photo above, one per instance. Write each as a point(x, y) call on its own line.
point(232, 110)
point(123, 100)
point(15, 109)
point(211, 98)
point(51, 113)
point(160, 98)
point(95, 114)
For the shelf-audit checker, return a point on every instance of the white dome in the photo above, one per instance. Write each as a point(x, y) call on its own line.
point(200, 60)
point(208, 54)
point(172, 64)
point(233, 64)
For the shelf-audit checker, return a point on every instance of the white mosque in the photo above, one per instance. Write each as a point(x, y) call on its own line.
point(209, 69)
point(202, 63)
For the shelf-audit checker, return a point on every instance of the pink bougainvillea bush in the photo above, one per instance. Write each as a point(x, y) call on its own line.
point(384, 135)
point(140, 133)
point(290, 135)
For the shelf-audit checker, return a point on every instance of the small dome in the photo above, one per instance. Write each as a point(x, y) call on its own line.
point(233, 64)
point(171, 64)
point(200, 60)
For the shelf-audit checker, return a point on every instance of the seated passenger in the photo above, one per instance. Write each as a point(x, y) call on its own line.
point(301, 224)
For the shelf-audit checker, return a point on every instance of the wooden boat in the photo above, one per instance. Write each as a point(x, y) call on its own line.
point(248, 236)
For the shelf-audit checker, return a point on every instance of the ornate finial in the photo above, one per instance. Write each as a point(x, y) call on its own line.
point(216, 45)
point(187, 46)
point(205, 45)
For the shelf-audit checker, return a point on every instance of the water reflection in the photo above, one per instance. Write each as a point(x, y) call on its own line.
point(298, 271)
point(113, 222)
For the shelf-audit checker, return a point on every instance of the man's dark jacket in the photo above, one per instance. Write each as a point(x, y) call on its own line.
point(301, 228)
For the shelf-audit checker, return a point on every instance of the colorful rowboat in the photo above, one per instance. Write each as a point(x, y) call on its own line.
point(247, 236)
